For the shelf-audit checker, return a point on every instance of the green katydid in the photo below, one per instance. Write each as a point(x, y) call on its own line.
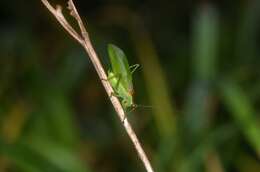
point(120, 76)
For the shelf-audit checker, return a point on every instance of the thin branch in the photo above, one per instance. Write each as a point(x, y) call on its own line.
point(75, 14)
point(59, 16)
point(84, 40)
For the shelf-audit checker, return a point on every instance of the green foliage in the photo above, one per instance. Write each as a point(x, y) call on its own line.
point(201, 78)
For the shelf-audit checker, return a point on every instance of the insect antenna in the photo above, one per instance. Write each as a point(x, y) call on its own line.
point(135, 106)
point(144, 106)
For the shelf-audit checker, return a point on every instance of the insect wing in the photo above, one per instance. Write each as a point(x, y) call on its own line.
point(120, 66)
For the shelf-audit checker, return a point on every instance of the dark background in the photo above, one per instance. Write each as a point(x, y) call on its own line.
point(199, 72)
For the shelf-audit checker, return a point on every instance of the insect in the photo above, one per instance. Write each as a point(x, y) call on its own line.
point(120, 76)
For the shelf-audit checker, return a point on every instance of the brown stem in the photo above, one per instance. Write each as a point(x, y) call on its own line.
point(84, 40)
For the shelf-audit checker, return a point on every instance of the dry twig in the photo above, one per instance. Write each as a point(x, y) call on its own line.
point(84, 40)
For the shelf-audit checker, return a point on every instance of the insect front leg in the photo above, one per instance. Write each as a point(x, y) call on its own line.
point(114, 80)
point(116, 87)
point(113, 94)
point(134, 67)
point(109, 78)
point(118, 81)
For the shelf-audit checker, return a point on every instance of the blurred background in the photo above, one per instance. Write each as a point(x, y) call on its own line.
point(199, 72)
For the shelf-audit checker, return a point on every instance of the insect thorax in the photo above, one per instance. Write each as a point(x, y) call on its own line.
point(120, 91)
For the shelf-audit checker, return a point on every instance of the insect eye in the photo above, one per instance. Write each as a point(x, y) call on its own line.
point(124, 102)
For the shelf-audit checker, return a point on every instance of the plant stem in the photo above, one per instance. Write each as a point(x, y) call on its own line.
point(84, 40)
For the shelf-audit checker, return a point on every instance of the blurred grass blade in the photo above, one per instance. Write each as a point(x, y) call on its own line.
point(214, 139)
point(247, 44)
point(246, 163)
point(53, 134)
point(156, 82)
point(205, 47)
point(63, 158)
point(243, 113)
point(25, 158)
point(196, 121)
point(205, 43)
point(71, 70)
point(197, 112)
point(53, 118)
